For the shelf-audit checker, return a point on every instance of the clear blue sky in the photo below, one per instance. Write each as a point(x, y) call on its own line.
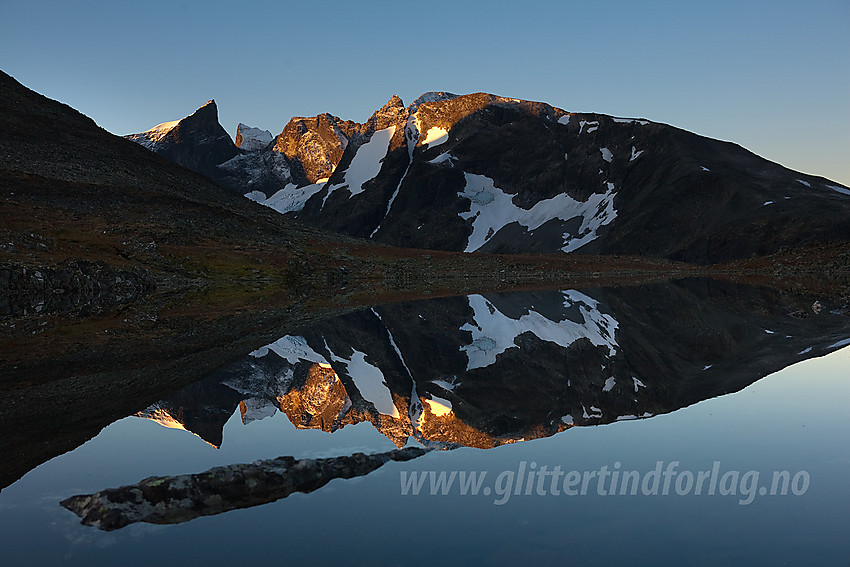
point(773, 75)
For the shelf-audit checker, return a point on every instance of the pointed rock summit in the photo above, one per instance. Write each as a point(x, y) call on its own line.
point(197, 142)
point(388, 114)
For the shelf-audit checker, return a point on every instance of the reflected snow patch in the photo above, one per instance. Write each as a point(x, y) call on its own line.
point(494, 332)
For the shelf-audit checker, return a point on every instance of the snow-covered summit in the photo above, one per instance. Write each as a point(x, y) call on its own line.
point(430, 96)
point(251, 139)
point(150, 138)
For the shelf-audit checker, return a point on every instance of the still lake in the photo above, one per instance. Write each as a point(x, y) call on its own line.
point(691, 422)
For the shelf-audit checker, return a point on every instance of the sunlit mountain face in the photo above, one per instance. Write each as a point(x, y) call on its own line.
point(486, 370)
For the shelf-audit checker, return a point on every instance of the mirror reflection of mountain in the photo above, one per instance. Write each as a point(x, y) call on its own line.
point(484, 370)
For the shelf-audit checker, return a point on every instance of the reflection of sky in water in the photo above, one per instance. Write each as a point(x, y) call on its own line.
point(793, 420)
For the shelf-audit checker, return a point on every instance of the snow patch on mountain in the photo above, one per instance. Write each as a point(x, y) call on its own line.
point(635, 154)
point(395, 346)
point(630, 121)
point(439, 406)
point(257, 409)
point(151, 138)
point(256, 196)
point(442, 158)
point(370, 382)
point(491, 209)
point(435, 136)
point(494, 332)
point(565, 119)
point(366, 163)
point(597, 413)
point(596, 212)
point(411, 134)
point(446, 385)
point(592, 126)
point(293, 349)
point(842, 190)
point(290, 198)
point(607, 154)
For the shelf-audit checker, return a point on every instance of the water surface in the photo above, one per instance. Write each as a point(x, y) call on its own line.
point(712, 377)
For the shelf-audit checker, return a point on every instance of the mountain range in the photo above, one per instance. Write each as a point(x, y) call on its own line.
point(485, 173)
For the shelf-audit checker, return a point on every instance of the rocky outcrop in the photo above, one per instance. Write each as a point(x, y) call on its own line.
point(76, 286)
point(319, 401)
point(314, 146)
point(177, 499)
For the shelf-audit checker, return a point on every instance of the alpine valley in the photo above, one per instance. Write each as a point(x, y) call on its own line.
point(579, 270)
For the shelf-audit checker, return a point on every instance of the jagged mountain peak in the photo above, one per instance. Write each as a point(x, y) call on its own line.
point(389, 114)
point(197, 142)
point(206, 116)
point(208, 110)
point(314, 145)
point(395, 101)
